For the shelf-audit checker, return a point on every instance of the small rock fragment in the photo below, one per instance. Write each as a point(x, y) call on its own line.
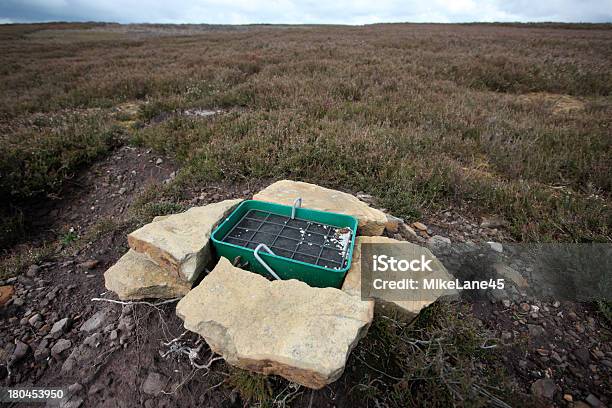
point(94, 322)
point(60, 347)
point(493, 222)
point(91, 264)
point(544, 388)
point(582, 354)
point(154, 384)
point(496, 246)
point(21, 349)
point(420, 226)
point(60, 327)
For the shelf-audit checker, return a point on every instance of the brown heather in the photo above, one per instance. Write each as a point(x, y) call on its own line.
point(505, 119)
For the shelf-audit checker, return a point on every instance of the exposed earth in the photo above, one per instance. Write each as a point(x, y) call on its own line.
point(556, 353)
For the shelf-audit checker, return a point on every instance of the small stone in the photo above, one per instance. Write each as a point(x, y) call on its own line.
point(35, 319)
point(555, 356)
point(73, 403)
point(91, 264)
point(525, 307)
point(122, 190)
point(95, 322)
point(60, 347)
point(159, 161)
point(506, 303)
point(392, 224)
point(113, 335)
point(154, 384)
point(407, 231)
point(544, 388)
point(496, 246)
point(60, 327)
point(607, 363)
point(568, 397)
point(536, 330)
point(41, 354)
point(75, 388)
point(493, 222)
point(594, 401)
point(582, 354)
point(438, 241)
point(93, 340)
point(556, 304)
point(420, 226)
point(21, 349)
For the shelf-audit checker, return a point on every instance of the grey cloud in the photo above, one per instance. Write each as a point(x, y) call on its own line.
point(311, 11)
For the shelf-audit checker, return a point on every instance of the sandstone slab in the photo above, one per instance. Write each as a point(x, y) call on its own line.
point(180, 242)
point(135, 276)
point(413, 300)
point(282, 327)
point(371, 220)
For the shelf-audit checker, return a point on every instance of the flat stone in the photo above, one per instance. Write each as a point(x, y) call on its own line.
point(282, 327)
point(544, 388)
point(420, 226)
point(60, 327)
point(21, 349)
point(535, 330)
point(95, 322)
point(438, 241)
point(371, 220)
point(90, 264)
point(135, 276)
point(393, 223)
point(41, 354)
point(60, 347)
point(493, 222)
point(496, 246)
point(582, 354)
point(407, 230)
point(35, 319)
point(594, 401)
point(511, 274)
point(419, 298)
point(180, 242)
point(154, 384)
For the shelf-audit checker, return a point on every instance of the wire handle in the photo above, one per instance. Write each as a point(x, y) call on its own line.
point(262, 262)
point(296, 204)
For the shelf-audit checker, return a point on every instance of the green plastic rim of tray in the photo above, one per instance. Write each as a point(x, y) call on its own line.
point(288, 242)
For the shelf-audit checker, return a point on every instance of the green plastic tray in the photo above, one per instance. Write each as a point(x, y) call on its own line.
point(327, 273)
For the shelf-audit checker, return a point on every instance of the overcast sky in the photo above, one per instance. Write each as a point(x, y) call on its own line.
point(308, 11)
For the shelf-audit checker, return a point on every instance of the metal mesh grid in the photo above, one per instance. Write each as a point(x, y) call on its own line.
point(307, 241)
